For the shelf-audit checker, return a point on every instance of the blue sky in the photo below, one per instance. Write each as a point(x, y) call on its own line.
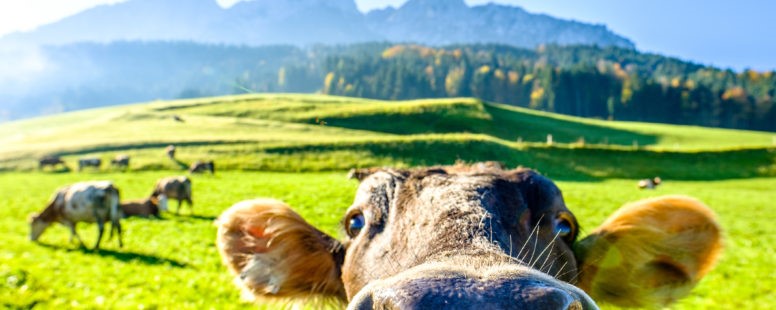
point(735, 34)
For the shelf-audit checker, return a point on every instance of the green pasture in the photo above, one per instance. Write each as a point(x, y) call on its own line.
point(294, 133)
point(297, 148)
point(172, 263)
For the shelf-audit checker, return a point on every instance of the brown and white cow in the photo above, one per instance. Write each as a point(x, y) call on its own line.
point(649, 183)
point(120, 161)
point(202, 167)
point(90, 202)
point(89, 162)
point(52, 161)
point(170, 151)
point(148, 207)
point(452, 238)
point(178, 188)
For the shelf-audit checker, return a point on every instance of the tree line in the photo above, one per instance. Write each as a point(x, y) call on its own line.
point(587, 81)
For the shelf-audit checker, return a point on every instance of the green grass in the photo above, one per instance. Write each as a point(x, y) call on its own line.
point(172, 263)
point(309, 141)
point(285, 132)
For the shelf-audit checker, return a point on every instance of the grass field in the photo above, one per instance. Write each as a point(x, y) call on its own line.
point(297, 148)
point(322, 133)
point(172, 263)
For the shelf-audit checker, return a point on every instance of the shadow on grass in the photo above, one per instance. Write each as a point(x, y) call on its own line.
point(202, 217)
point(565, 163)
point(124, 256)
point(181, 165)
point(502, 122)
point(188, 217)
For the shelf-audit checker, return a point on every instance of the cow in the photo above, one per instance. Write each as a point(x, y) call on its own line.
point(148, 207)
point(89, 162)
point(96, 201)
point(482, 238)
point(170, 151)
point(175, 188)
point(361, 174)
point(52, 161)
point(120, 161)
point(202, 166)
point(649, 183)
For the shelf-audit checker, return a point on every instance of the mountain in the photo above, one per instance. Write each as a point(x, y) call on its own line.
point(443, 22)
point(305, 22)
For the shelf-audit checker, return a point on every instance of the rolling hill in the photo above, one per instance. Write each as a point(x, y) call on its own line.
point(288, 132)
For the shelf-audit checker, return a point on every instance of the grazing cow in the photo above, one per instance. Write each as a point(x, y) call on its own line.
point(202, 166)
point(170, 151)
point(81, 202)
point(52, 161)
point(482, 238)
point(145, 208)
point(89, 162)
point(120, 161)
point(361, 174)
point(175, 188)
point(649, 183)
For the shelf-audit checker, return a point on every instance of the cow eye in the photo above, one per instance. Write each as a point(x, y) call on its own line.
point(355, 223)
point(564, 227)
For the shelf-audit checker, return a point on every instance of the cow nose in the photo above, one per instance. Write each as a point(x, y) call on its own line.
point(464, 292)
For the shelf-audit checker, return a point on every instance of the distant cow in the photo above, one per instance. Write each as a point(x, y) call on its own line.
point(470, 238)
point(145, 208)
point(170, 151)
point(361, 173)
point(120, 161)
point(175, 188)
point(89, 162)
point(81, 202)
point(649, 183)
point(202, 166)
point(52, 161)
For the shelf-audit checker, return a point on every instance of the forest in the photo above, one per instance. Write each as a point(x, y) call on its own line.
point(605, 83)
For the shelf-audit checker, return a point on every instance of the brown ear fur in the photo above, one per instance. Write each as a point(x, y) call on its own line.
point(651, 252)
point(274, 253)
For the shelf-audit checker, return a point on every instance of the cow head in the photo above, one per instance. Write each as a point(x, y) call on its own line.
point(453, 237)
point(37, 226)
point(40, 221)
point(160, 201)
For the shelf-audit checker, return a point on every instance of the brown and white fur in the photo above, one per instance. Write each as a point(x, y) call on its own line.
point(145, 208)
point(90, 202)
point(202, 167)
point(178, 188)
point(472, 238)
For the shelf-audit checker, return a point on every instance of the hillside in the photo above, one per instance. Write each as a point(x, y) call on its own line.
point(283, 132)
point(603, 83)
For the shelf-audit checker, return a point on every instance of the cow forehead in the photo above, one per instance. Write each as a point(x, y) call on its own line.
point(389, 189)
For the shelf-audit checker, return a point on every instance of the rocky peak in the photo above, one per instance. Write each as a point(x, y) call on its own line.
point(435, 5)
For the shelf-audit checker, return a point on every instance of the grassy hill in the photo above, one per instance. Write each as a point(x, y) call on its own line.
point(284, 132)
point(172, 263)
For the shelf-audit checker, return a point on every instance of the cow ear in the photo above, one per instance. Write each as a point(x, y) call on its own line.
point(274, 253)
point(360, 173)
point(649, 253)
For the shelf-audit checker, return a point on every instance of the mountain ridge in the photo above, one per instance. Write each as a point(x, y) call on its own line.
point(307, 22)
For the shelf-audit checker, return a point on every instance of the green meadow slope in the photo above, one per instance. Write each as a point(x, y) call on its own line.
point(734, 172)
point(285, 132)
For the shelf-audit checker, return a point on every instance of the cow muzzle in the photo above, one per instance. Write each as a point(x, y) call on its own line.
point(444, 287)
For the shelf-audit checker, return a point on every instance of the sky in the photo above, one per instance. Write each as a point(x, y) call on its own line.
point(724, 33)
